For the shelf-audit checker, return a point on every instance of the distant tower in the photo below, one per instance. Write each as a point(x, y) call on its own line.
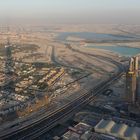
point(9, 70)
point(138, 79)
point(8, 59)
point(136, 70)
point(138, 89)
point(131, 81)
point(136, 65)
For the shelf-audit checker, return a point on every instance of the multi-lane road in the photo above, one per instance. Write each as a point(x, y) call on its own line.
point(41, 125)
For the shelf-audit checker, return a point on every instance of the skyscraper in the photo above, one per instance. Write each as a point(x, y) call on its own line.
point(8, 59)
point(9, 70)
point(131, 81)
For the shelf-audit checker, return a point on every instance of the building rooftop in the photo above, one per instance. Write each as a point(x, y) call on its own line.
point(118, 129)
point(80, 131)
point(83, 131)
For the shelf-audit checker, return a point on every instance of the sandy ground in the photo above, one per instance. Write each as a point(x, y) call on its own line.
point(98, 62)
point(101, 64)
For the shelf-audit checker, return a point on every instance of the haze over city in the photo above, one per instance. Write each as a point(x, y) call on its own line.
point(69, 70)
point(71, 11)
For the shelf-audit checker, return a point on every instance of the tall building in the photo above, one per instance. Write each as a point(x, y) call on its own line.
point(9, 70)
point(8, 59)
point(131, 81)
point(138, 88)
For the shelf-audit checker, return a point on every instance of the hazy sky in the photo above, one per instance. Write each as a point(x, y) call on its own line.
point(74, 11)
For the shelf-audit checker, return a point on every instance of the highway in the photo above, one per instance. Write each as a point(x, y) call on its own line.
point(41, 125)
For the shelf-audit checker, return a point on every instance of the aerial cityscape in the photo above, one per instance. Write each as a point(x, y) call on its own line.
point(76, 78)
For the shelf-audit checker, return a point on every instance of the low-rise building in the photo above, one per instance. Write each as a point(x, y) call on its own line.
point(80, 132)
point(118, 129)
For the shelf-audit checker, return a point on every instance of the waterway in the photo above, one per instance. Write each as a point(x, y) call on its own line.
point(92, 36)
point(122, 50)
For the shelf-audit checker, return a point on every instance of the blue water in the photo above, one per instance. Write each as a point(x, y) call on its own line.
point(122, 50)
point(92, 36)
